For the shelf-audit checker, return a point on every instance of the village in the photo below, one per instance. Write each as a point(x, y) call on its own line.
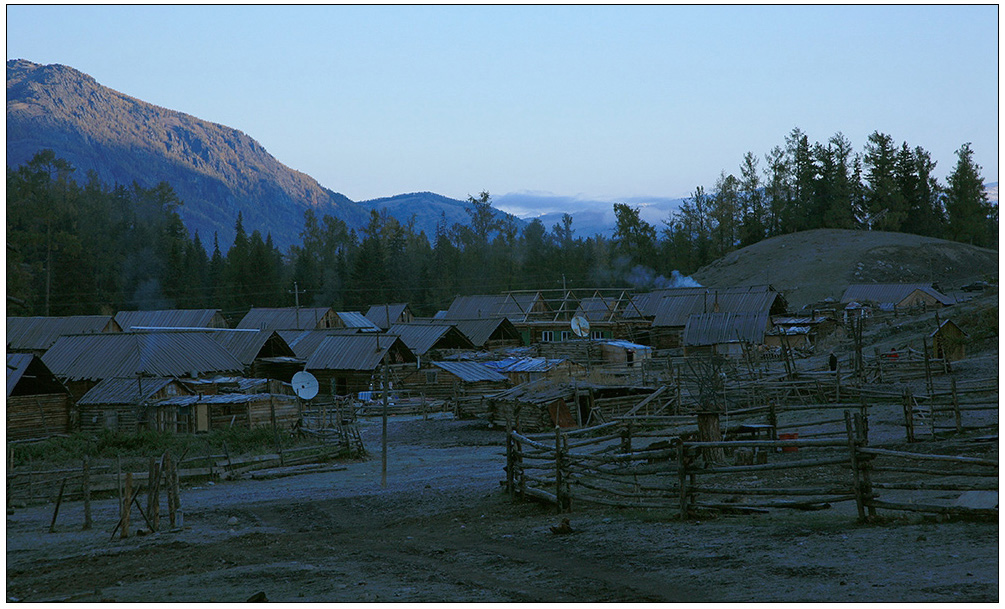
point(684, 403)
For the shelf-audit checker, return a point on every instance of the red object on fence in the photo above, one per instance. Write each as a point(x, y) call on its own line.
point(789, 436)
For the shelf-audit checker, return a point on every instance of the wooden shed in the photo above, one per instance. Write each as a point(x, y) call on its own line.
point(38, 405)
point(725, 333)
point(245, 410)
point(37, 334)
point(291, 318)
point(349, 364)
point(949, 341)
point(896, 296)
point(131, 404)
point(445, 380)
point(170, 318)
point(386, 315)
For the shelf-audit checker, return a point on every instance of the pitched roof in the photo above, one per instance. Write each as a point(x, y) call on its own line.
point(718, 328)
point(516, 307)
point(352, 319)
point(478, 331)
point(674, 306)
point(524, 364)
point(355, 352)
point(126, 390)
point(386, 315)
point(245, 345)
point(39, 333)
point(890, 293)
point(420, 338)
point(305, 342)
point(126, 354)
point(38, 378)
point(287, 318)
point(471, 372)
point(171, 318)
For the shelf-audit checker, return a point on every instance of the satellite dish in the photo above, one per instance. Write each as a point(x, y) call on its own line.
point(580, 326)
point(305, 385)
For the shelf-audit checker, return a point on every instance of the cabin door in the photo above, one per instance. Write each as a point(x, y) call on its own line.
point(202, 417)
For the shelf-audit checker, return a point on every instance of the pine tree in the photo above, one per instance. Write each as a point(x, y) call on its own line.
point(972, 218)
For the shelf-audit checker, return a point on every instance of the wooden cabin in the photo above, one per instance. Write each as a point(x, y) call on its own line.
point(38, 404)
point(350, 364)
point(725, 333)
point(386, 315)
point(170, 318)
point(447, 380)
point(132, 404)
point(291, 318)
point(949, 341)
point(36, 334)
point(897, 296)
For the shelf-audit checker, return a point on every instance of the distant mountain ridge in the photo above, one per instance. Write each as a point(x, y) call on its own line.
point(427, 210)
point(216, 170)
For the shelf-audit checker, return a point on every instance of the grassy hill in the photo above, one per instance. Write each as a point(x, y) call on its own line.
point(812, 265)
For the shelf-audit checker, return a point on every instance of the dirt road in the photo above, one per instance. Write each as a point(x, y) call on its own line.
point(443, 530)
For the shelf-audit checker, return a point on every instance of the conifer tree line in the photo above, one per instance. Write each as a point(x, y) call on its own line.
point(95, 249)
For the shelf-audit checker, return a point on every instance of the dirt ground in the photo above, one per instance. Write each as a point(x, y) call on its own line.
point(443, 530)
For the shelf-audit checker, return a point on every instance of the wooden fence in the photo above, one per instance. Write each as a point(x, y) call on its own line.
point(607, 465)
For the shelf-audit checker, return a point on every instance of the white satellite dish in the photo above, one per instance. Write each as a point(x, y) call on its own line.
point(580, 326)
point(305, 385)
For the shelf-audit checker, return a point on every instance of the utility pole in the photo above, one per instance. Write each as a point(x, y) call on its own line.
point(383, 429)
point(296, 299)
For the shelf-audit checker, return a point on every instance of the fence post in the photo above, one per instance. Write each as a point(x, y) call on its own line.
point(509, 459)
point(862, 439)
point(55, 512)
point(908, 414)
point(928, 367)
point(153, 505)
point(682, 477)
point(956, 408)
point(558, 469)
point(127, 506)
point(86, 483)
point(857, 475)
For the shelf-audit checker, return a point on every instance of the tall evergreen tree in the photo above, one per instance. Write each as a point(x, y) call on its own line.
point(972, 218)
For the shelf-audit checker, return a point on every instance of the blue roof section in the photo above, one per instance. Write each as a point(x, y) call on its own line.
point(471, 372)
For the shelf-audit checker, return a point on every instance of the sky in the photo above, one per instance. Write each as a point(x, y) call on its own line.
point(603, 102)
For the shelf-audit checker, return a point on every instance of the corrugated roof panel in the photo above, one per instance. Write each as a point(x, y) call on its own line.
point(524, 364)
point(352, 319)
point(386, 315)
point(124, 390)
point(420, 338)
point(171, 318)
point(352, 352)
point(101, 356)
point(718, 328)
point(288, 318)
point(40, 333)
point(471, 372)
point(17, 364)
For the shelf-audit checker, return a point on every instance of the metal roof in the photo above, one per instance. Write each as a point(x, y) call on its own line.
point(673, 307)
point(471, 372)
point(386, 315)
point(478, 331)
point(223, 398)
point(126, 354)
point(624, 344)
point(352, 319)
point(524, 364)
point(890, 293)
point(305, 342)
point(420, 338)
point(288, 318)
point(125, 390)
point(245, 345)
point(27, 366)
point(718, 328)
point(355, 352)
point(516, 307)
point(171, 318)
point(39, 333)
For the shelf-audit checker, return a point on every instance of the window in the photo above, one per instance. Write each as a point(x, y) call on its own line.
point(566, 335)
point(597, 334)
point(547, 336)
point(431, 377)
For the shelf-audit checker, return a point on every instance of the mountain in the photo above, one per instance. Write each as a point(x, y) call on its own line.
point(812, 265)
point(429, 209)
point(589, 216)
point(215, 170)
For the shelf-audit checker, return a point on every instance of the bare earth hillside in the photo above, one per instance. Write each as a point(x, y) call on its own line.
point(812, 265)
